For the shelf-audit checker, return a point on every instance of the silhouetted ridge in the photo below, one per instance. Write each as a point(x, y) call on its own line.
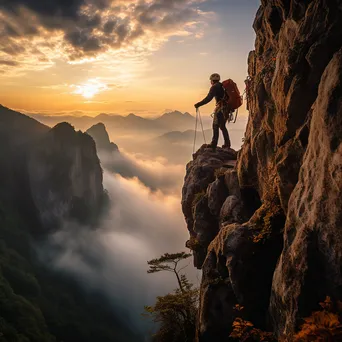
point(48, 177)
point(100, 135)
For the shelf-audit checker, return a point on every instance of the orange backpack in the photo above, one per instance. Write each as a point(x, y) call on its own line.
point(234, 99)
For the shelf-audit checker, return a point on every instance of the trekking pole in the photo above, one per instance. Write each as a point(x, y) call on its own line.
point(237, 112)
point(193, 150)
point(200, 117)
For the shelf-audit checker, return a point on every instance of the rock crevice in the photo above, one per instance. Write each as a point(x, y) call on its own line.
point(267, 232)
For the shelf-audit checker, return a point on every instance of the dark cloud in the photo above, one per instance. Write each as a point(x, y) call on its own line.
point(122, 31)
point(92, 22)
point(8, 63)
point(138, 31)
point(163, 14)
point(60, 8)
point(83, 40)
point(109, 26)
point(13, 49)
point(10, 31)
point(89, 26)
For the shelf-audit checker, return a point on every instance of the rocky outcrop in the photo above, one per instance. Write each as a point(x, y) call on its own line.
point(100, 135)
point(65, 176)
point(236, 241)
point(276, 247)
point(310, 265)
point(49, 175)
point(201, 204)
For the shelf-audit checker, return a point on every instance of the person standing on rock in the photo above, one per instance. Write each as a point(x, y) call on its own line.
point(219, 122)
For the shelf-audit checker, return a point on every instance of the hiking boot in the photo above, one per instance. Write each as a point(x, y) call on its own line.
point(211, 145)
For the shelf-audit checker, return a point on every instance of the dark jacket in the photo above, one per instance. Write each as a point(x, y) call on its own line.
point(216, 91)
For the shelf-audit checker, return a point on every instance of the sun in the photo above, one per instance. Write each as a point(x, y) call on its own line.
point(90, 88)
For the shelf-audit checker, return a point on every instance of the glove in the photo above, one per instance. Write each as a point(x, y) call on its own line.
point(197, 105)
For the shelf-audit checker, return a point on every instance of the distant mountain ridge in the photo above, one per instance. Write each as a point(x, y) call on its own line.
point(175, 120)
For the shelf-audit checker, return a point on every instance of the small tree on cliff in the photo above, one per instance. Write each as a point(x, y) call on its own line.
point(175, 312)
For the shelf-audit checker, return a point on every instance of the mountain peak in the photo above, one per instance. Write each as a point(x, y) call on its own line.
point(23, 125)
point(101, 137)
point(173, 113)
point(176, 115)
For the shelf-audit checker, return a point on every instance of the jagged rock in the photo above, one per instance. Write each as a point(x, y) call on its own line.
point(100, 135)
point(238, 270)
point(205, 227)
point(310, 265)
point(232, 211)
point(289, 82)
point(65, 176)
point(201, 172)
point(217, 193)
point(232, 183)
point(291, 158)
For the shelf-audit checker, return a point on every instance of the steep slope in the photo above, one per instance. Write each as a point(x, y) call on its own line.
point(284, 257)
point(18, 129)
point(48, 176)
point(100, 135)
point(65, 176)
point(16, 133)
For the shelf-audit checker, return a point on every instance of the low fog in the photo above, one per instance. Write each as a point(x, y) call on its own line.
point(156, 174)
point(176, 147)
point(140, 226)
point(144, 221)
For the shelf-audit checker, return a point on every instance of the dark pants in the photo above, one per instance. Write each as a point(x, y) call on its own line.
point(220, 123)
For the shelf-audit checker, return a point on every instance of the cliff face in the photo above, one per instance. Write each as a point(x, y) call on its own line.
point(65, 176)
point(281, 254)
point(48, 176)
point(100, 135)
point(51, 175)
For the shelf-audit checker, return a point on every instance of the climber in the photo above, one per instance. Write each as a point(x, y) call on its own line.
point(220, 119)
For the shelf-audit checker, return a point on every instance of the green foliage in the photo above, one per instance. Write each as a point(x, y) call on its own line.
point(167, 262)
point(40, 305)
point(20, 318)
point(175, 313)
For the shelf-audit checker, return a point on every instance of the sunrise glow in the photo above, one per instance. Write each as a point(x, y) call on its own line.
point(123, 56)
point(89, 89)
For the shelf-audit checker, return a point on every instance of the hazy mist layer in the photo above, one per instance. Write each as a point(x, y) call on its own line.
point(144, 221)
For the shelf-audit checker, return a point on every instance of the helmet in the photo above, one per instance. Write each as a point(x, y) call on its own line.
point(215, 77)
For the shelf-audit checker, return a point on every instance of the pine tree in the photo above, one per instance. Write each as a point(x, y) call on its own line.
point(175, 313)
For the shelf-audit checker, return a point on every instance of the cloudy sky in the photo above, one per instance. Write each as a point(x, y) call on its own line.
point(122, 56)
